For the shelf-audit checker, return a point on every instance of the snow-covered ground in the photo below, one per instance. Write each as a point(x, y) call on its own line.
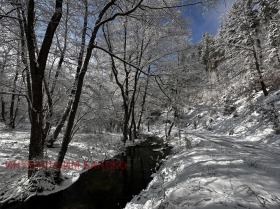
point(216, 171)
point(220, 159)
point(14, 184)
point(229, 161)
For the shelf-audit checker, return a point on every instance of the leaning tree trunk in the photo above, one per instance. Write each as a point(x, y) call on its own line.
point(49, 113)
point(80, 81)
point(50, 91)
point(66, 112)
point(60, 125)
point(70, 124)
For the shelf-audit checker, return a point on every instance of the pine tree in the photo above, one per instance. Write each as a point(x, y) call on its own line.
point(242, 39)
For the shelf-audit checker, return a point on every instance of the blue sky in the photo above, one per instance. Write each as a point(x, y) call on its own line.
point(206, 21)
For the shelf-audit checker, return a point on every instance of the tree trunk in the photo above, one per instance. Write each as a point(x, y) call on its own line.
point(50, 92)
point(257, 65)
point(26, 79)
point(60, 125)
point(12, 106)
point(133, 128)
point(16, 113)
point(259, 61)
point(35, 147)
point(144, 100)
point(13, 113)
point(67, 135)
point(37, 68)
point(123, 86)
point(170, 129)
point(12, 121)
point(66, 112)
point(3, 109)
point(126, 119)
point(135, 131)
point(49, 113)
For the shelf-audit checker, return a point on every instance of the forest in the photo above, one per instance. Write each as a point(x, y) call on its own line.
point(82, 82)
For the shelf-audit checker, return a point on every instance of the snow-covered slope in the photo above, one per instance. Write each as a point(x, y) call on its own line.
point(231, 160)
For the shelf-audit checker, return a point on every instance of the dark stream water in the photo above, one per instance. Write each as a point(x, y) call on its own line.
point(107, 189)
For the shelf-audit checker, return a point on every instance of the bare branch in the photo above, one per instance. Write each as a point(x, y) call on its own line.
point(120, 59)
point(7, 14)
point(177, 6)
point(120, 14)
point(12, 93)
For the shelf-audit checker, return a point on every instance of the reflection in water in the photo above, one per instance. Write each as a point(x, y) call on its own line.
point(106, 189)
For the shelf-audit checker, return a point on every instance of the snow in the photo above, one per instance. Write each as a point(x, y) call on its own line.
point(215, 173)
point(219, 170)
point(14, 184)
point(224, 161)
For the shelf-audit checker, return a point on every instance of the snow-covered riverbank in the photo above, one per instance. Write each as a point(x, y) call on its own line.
point(218, 171)
point(14, 184)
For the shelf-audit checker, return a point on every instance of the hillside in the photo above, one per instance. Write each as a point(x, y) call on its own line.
point(230, 161)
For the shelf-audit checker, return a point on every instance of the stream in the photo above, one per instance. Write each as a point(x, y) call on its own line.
point(105, 188)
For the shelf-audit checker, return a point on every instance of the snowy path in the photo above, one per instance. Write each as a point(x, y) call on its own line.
point(220, 171)
point(261, 153)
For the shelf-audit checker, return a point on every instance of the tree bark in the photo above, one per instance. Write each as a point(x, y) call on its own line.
point(3, 109)
point(170, 129)
point(66, 112)
point(12, 105)
point(144, 100)
point(26, 78)
point(37, 68)
point(258, 68)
